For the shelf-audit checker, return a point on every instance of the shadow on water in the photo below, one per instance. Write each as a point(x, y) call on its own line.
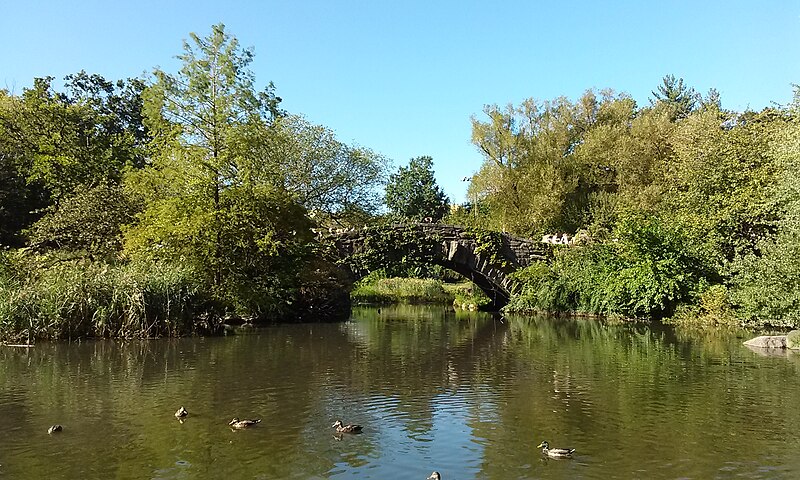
point(465, 393)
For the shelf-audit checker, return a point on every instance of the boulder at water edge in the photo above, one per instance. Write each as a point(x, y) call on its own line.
point(793, 340)
point(767, 341)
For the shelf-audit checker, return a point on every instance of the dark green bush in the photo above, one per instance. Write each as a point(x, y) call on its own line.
point(646, 270)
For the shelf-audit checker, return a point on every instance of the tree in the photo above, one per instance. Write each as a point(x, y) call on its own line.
point(678, 98)
point(209, 198)
point(88, 220)
point(538, 174)
point(412, 192)
point(52, 143)
point(333, 180)
point(765, 284)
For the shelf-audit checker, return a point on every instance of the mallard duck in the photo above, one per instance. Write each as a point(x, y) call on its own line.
point(53, 429)
point(181, 413)
point(435, 476)
point(240, 424)
point(342, 428)
point(555, 452)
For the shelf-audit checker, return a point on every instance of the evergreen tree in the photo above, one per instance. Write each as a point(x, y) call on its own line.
point(673, 94)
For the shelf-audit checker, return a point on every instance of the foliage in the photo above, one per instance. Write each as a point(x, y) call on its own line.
point(89, 133)
point(647, 272)
point(721, 182)
point(534, 178)
point(249, 255)
point(89, 219)
point(399, 290)
point(402, 250)
point(489, 245)
point(679, 99)
point(692, 210)
point(765, 287)
point(764, 280)
point(60, 299)
point(793, 339)
point(467, 295)
point(54, 142)
point(210, 201)
point(412, 192)
point(336, 182)
point(712, 310)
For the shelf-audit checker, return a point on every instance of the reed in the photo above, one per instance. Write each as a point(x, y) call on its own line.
point(77, 299)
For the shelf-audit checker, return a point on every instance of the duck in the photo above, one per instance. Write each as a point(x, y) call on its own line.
point(182, 412)
point(54, 429)
point(240, 424)
point(350, 428)
point(435, 476)
point(555, 452)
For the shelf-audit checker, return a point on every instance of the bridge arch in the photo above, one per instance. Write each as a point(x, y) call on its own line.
point(486, 258)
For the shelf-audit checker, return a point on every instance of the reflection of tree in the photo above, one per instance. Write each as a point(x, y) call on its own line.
point(418, 379)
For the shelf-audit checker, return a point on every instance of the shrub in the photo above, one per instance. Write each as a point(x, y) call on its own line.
point(765, 287)
point(646, 270)
point(713, 309)
point(793, 339)
point(467, 295)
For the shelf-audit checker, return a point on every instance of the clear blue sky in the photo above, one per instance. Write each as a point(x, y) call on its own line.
point(404, 77)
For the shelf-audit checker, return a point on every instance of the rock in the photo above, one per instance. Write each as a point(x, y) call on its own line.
point(769, 352)
point(793, 340)
point(767, 341)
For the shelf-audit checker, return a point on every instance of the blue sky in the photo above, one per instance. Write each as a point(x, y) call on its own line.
point(404, 77)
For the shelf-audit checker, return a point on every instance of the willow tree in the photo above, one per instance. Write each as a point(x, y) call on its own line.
point(338, 183)
point(530, 178)
point(207, 199)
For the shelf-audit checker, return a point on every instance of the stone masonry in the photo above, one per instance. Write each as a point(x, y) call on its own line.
point(456, 250)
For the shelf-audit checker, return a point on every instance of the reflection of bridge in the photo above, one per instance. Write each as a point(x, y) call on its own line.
point(467, 252)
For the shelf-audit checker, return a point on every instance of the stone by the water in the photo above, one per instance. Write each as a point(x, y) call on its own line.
point(767, 341)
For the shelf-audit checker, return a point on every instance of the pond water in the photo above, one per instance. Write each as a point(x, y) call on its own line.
point(467, 394)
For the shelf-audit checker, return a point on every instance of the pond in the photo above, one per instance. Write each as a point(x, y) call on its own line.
point(467, 394)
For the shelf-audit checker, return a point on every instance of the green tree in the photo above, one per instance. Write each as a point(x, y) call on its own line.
point(720, 181)
point(412, 192)
point(18, 199)
point(539, 174)
point(765, 281)
point(679, 99)
point(52, 143)
point(338, 183)
point(210, 199)
point(88, 134)
point(89, 220)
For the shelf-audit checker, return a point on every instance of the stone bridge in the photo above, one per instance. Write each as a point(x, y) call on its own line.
point(486, 258)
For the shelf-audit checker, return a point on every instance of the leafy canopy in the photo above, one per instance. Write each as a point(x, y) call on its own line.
point(412, 192)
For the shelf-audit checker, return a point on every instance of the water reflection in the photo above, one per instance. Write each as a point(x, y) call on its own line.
point(467, 394)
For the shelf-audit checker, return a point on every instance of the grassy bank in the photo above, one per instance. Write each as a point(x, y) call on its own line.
point(80, 299)
point(417, 290)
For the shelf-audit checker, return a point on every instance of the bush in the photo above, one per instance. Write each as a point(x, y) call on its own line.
point(793, 340)
point(467, 295)
point(765, 287)
point(713, 309)
point(647, 270)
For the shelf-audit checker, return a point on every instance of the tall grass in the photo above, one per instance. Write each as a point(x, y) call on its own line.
point(400, 290)
point(76, 299)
